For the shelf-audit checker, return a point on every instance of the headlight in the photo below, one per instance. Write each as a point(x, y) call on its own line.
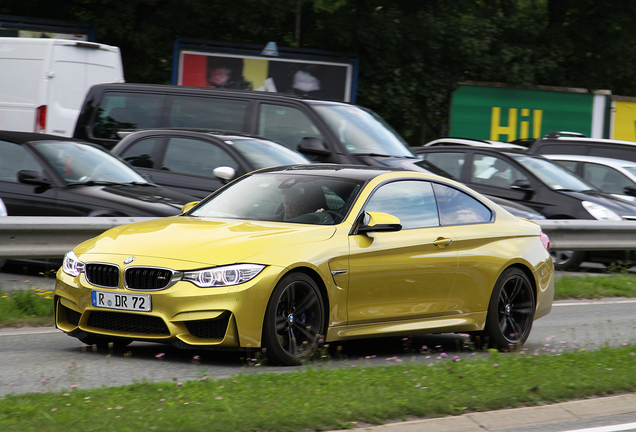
point(599, 212)
point(72, 266)
point(223, 276)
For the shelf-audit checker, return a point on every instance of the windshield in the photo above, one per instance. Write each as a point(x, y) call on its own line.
point(363, 131)
point(80, 163)
point(284, 197)
point(265, 154)
point(554, 176)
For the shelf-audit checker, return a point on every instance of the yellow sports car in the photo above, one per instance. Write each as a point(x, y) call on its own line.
point(287, 257)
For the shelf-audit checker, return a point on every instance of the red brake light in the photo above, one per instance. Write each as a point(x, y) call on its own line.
point(545, 240)
point(40, 119)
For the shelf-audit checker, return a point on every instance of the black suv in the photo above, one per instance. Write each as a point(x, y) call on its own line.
point(536, 182)
point(574, 143)
point(323, 131)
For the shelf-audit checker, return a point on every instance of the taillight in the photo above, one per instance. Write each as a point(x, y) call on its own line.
point(545, 240)
point(40, 119)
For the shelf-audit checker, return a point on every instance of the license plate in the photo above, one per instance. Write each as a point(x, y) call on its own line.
point(131, 302)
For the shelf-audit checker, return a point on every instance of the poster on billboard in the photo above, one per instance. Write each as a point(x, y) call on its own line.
point(502, 113)
point(316, 77)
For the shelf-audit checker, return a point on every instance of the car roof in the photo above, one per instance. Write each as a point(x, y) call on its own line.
point(168, 88)
point(23, 137)
point(617, 163)
point(357, 172)
point(509, 151)
point(218, 133)
point(473, 142)
point(580, 138)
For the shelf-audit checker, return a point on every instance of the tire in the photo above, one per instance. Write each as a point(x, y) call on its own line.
point(567, 260)
point(102, 342)
point(510, 313)
point(294, 320)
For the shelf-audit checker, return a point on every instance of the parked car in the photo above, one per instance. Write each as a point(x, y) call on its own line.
point(537, 182)
point(473, 142)
point(48, 175)
point(574, 143)
point(44, 81)
point(286, 258)
point(613, 176)
point(198, 161)
point(513, 207)
point(323, 131)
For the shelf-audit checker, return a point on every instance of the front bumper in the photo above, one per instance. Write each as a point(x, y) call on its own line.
point(182, 314)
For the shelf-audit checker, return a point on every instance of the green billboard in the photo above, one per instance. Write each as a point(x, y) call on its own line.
point(492, 112)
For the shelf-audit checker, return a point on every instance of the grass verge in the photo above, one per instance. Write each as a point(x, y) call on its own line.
point(317, 398)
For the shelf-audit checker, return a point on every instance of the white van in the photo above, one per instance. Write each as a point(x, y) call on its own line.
point(43, 81)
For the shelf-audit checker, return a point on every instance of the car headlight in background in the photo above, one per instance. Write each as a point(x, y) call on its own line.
point(72, 266)
point(599, 212)
point(223, 276)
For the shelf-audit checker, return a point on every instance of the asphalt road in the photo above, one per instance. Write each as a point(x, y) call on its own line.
point(45, 359)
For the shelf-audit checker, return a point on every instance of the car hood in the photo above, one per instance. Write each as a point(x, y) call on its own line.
point(137, 196)
point(202, 241)
point(618, 205)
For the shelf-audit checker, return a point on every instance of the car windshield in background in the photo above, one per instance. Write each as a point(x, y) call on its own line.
point(554, 176)
point(283, 197)
point(363, 132)
point(265, 154)
point(79, 163)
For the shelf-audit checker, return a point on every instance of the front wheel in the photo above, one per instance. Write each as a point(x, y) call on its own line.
point(510, 313)
point(294, 320)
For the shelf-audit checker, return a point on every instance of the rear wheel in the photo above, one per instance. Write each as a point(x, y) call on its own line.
point(567, 260)
point(510, 313)
point(294, 320)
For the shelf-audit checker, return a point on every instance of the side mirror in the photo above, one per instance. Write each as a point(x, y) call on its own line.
point(313, 146)
point(522, 185)
point(186, 208)
point(225, 173)
point(630, 190)
point(32, 178)
point(379, 222)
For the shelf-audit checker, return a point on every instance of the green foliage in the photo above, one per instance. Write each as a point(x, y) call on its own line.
point(412, 54)
point(26, 303)
point(317, 398)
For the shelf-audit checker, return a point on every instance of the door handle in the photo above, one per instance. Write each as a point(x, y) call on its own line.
point(442, 242)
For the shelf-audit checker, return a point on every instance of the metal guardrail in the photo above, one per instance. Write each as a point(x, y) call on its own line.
point(52, 237)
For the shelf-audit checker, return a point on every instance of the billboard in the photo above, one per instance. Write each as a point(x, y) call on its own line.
point(501, 113)
point(319, 76)
point(29, 27)
point(624, 119)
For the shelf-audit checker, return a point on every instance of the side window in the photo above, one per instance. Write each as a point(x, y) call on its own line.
point(15, 158)
point(126, 111)
point(207, 113)
point(190, 156)
point(142, 153)
point(605, 178)
point(568, 165)
point(451, 163)
point(413, 202)
point(494, 171)
point(286, 125)
point(459, 208)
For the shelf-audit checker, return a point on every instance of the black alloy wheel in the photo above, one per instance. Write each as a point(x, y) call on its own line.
point(294, 320)
point(510, 313)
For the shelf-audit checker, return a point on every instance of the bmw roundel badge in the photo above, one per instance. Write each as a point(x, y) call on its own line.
point(129, 260)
